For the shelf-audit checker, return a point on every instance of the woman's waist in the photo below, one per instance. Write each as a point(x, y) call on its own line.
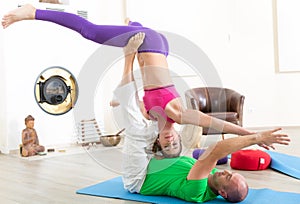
point(157, 87)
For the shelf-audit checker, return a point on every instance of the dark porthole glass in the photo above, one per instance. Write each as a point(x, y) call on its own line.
point(56, 90)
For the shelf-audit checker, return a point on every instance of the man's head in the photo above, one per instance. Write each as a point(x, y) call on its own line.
point(29, 121)
point(231, 186)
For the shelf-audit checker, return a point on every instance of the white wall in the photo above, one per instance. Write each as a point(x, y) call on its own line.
point(29, 48)
point(3, 127)
point(236, 35)
point(270, 96)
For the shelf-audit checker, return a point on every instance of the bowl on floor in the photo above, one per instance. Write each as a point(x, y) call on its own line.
point(110, 140)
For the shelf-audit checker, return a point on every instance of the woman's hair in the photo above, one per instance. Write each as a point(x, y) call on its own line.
point(157, 149)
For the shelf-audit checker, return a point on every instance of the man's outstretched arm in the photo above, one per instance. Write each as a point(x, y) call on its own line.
point(208, 160)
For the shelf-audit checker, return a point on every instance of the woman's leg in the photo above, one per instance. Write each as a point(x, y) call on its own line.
point(176, 111)
point(117, 36)
point(111, 35)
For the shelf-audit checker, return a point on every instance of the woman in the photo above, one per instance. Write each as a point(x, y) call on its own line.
point(161, 99)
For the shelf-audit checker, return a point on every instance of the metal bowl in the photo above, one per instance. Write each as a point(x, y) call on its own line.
point(110, 140)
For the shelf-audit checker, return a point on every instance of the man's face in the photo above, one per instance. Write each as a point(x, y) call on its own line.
point(232, 186)
point(225, 179)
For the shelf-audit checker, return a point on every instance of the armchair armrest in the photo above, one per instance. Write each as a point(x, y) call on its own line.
point(235, 103)
point(191, 101)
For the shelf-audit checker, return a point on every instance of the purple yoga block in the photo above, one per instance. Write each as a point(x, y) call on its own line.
point(198, 152)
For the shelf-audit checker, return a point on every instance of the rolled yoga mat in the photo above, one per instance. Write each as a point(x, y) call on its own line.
point(284, 163)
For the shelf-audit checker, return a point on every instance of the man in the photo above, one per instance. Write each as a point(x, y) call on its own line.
point(182, 177)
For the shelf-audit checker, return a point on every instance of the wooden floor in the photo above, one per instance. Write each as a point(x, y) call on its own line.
point(56, 179)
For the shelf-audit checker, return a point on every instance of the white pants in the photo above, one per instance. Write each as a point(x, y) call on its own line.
point(139, 137)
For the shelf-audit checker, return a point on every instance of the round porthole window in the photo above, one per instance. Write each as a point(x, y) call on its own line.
point(56, 90)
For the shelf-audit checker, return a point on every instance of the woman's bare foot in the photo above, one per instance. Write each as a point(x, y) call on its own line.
point(127, 21)
point(134, 43)
point(26, 12)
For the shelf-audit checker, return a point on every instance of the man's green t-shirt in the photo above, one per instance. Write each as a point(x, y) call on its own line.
point(168, 177)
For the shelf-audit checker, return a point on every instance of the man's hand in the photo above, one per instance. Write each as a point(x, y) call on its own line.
point(268, 138)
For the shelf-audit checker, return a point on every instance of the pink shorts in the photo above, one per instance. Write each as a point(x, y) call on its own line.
point(158, 98)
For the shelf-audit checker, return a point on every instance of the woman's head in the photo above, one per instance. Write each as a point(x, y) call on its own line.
point(168, 143)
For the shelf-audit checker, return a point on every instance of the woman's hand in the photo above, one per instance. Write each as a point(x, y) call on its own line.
point(266, 139)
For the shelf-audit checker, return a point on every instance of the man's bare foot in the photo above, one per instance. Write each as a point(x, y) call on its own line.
point(26, 12)
point(134, 43)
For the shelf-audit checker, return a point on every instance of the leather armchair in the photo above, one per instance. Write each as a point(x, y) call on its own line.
point(222, 103)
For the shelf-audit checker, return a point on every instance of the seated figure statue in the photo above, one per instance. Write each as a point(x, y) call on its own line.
point(30, 140)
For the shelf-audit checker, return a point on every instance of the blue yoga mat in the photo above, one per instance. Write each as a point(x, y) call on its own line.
point(285, 163)
point(113, 188)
